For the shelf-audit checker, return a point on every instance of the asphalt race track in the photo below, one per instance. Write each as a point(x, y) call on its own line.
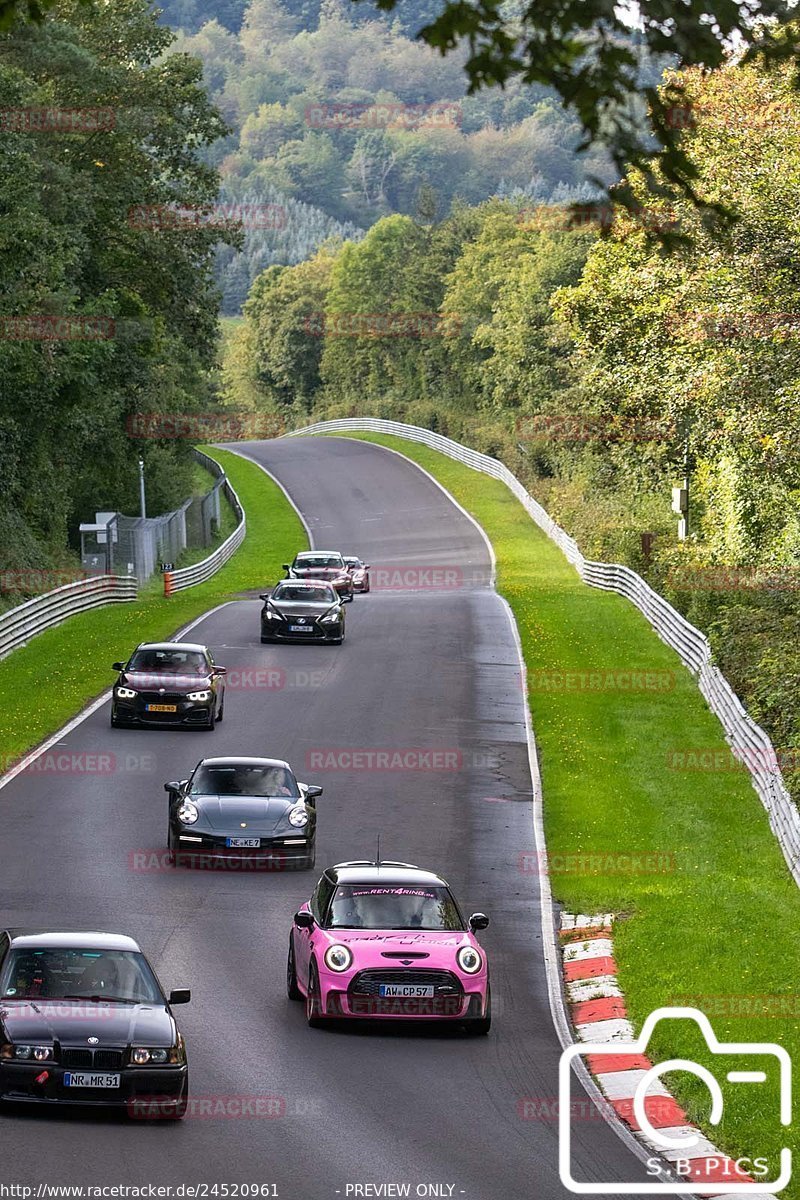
point(423, 669)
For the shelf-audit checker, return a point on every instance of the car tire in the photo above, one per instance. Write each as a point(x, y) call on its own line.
point(115, 724)
point(171, 847)
point(292, 990)
point(481, 1026)
point(221, 712)
point(314, 1017)
point(310, 859)
point(212, 723)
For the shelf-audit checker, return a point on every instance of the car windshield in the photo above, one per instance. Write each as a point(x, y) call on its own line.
point(361, 906)
point(318, 560)
point(245, 779)
point(352, 562)
point(169, 662)
point(311, 595)
point(56, 974)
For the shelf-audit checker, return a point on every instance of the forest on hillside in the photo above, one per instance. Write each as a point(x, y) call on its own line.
point(598, 365)
point(338, 115)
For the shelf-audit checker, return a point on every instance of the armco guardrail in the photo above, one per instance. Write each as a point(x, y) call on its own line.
point(176, 581)
point(748, 741)
point(22, 623)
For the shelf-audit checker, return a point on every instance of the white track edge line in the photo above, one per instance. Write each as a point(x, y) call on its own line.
point(278, 484)
point(442, 488)
point(86, 712)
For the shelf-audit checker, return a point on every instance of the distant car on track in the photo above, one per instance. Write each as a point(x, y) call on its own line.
point(84, 1020)
point(243, 808)
point(359, 573)
point(322, 564)
point(302, 611)
point(388, 940)
point(167, 684)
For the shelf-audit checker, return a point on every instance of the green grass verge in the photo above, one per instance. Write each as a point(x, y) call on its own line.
point(43, 684)
point(721, 919)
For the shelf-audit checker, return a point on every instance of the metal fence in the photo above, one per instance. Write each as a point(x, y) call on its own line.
point(176, 581)
point(22, 623)
point(749, 742)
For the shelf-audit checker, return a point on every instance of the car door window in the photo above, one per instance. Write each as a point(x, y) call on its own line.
point(321, 899)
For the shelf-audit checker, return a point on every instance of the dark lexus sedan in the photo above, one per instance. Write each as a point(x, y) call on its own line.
point(168, 684)
point(297, 611)
point(84, 1020)
point(243, 810)
point(327, 565)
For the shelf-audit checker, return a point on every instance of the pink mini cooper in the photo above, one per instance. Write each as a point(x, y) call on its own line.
point(388, 940)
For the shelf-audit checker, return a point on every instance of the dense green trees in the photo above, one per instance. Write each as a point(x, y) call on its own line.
point(137, 303)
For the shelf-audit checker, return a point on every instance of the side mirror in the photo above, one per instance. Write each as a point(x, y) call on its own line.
point(366, 567)
point(286, 566)
point(220, 670)
point(478, 921)
point(265, 596)
point(303, 920)
point(118, 666)
point(180, 996)
point(312, 791)
point(177, 785)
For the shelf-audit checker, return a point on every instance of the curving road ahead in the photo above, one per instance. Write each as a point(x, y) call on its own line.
point(422, 669)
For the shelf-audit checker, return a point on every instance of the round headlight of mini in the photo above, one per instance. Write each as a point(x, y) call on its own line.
point(469, 960)
point(298, 817)
point(187, 813)
point(338, 958)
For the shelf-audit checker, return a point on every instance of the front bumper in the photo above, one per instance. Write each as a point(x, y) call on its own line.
point(211, 853)
point(455, 998)
point(278, 631)
point(187, 712)
point(18, 1085)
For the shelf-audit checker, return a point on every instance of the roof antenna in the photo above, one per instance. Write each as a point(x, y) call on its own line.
point(378, 858)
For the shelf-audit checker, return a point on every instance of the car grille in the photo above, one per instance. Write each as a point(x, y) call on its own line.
point(163, 697)
point(368, 983)
point(98, 1060)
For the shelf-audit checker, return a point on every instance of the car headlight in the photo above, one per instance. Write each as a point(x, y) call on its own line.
point(142, 1056)
point(187, 813)
point(124, 693)
point(37, 1053)
point(338, 958)
point(332, 617)
point(298, 817)
point(270, 614)
point(206, 695)
point(469, 960)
